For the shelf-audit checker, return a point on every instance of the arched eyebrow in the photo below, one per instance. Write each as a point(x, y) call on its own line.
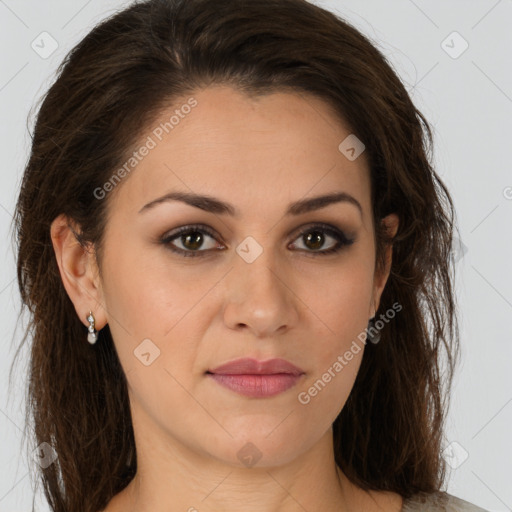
point(214, 205)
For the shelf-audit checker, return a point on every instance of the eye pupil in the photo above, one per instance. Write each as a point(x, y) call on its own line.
point(317, 239)
point(190, 237)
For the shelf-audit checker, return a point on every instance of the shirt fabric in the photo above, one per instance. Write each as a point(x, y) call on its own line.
point(438, 502)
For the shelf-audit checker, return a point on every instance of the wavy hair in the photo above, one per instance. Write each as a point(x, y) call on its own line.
point(108, 90)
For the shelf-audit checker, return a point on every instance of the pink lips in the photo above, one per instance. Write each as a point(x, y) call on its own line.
point(257, 379)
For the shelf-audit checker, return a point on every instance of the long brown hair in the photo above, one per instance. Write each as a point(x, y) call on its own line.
point(109, 89)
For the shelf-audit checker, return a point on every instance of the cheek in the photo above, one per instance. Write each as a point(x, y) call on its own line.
point(157, 308)
point(324, 394)
point(337, 343)
point(340, 301)
point(144, 291)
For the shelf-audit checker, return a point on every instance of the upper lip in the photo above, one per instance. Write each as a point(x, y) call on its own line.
point(246, 366)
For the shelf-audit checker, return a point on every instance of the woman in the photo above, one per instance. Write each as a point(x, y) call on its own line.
point(237, 260)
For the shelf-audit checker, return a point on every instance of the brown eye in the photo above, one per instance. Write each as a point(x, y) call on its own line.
point(191, 238)
point(314, 240)
point(315, 237)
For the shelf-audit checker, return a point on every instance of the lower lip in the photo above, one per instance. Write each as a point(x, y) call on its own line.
point(258, 386)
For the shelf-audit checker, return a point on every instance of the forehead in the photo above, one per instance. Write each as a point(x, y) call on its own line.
point(277, 148)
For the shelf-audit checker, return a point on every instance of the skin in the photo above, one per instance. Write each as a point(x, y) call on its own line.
point(259, 155)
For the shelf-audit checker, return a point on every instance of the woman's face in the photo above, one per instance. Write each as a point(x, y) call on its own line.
point(244, 282)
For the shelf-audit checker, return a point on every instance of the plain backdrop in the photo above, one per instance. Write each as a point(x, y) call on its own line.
point(454, 58)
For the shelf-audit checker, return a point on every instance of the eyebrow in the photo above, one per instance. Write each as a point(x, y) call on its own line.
point(213, 205)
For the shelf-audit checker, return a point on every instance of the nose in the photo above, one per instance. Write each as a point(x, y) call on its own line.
point(259, 297)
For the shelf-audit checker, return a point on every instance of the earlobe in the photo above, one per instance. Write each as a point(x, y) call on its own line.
point(391, 223)
point(78, 271)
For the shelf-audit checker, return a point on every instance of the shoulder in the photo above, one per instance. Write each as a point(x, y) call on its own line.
point(438, 502)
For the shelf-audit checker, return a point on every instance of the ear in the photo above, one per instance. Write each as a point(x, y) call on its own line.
point(79, 271)
point(380, 279)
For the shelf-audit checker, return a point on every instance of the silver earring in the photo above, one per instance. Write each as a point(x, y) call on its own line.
point(93, 333)
point(373, 334)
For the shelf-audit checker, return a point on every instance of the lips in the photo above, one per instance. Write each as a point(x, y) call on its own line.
point(248, 366)
point(257, 379)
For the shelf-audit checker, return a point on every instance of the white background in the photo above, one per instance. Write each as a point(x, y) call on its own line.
point(467, 99)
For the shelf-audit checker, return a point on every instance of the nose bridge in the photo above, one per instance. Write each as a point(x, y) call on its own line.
point(257, 264)
point(257, 295)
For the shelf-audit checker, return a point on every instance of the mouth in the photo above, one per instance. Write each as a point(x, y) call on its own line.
point(257, 379)
point(248, 366)
point(257, 386)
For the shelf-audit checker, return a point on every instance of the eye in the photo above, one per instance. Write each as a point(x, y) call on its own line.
point(314, 237)
point(192, 239)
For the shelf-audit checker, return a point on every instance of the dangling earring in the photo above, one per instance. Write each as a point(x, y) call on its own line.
point(93, 333)
point(373, 334)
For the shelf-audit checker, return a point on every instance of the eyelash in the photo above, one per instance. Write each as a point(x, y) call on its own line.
point(339, 236)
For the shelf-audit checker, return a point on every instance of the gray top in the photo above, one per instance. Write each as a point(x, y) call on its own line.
point(438, 502)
